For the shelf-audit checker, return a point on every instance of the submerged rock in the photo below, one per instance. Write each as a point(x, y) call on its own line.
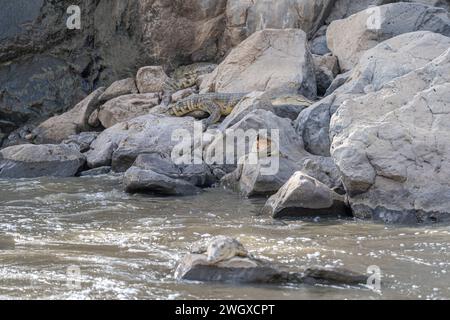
point(31, 161)
point(239, 269)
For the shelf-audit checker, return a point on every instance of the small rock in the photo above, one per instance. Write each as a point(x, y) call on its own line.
point(119, 88)
point(151, 79)
point(82, 141)
point(96, 172)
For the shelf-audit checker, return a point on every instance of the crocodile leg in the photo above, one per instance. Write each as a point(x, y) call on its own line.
point(214, 111)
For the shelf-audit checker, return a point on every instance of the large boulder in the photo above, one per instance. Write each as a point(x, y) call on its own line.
point(126, 107)
point(304, 196)
point(390, 59)
point(31, 161)
point(349, 38)
point(58, 128)
point(120, 144)
point(243, 18)
point(391, 147)
point(276, 61)
point(155, 172)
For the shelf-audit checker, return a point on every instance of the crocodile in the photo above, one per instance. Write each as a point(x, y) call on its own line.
point(185, 77)
point(214, 104)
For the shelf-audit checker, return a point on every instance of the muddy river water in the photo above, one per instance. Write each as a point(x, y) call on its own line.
point(84, 238)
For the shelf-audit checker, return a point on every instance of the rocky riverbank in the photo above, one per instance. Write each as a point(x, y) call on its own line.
point(358, 95)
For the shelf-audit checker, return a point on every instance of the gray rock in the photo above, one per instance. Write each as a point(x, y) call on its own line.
point(266, 175)
point(126, 107)
point(235, 269)
point(326, 68)
point(151, 79)
point(31, 161)
point(390, 147)
point(82, 141)
point(318, 43)
point(387, 61)
point(74, 121)
point(345, 8)
point(348, 39)
point(96, 172)
point(148, 181)
point(197, 174)
point(245, 17)
point(120, 145)
point(303, 196)
point(275, 61)
point(119, 88)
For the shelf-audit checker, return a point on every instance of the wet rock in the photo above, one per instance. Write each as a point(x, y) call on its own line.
point(151, 79)
point(139, 180)
point(119, 88)
point(236, 269)
point(31, 161)
point(348, 39)
point(195, 267)
point(275, 61)
point(304, 196)
point(333, 276)
point(58, 128)
point(390, 146)
point(197, 174)
point(82, 141)
point(126, 107)
point(96, 172)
